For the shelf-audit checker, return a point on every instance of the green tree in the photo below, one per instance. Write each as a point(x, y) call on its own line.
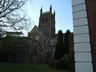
point(66, 42)
point(59, 51)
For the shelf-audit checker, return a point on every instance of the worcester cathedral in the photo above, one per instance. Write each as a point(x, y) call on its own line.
point(42, 39)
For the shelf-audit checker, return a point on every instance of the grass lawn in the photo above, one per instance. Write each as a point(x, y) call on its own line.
point(13, 67)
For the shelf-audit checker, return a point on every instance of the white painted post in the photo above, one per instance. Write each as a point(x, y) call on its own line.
point(82, 48)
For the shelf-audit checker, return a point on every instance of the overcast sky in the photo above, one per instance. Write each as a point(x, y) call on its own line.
point(63, 9)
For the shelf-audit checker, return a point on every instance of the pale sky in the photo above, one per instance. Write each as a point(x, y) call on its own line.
point(62, 8)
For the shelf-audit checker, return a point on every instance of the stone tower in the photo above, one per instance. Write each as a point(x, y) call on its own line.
point(47, 22)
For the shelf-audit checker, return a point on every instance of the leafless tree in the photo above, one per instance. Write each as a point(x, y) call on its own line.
point(9, 16)
point(8, 6)
point(15, 22)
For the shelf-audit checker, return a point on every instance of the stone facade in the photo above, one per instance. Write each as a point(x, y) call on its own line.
point(38, 46)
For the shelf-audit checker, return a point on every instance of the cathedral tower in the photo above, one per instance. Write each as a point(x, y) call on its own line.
point(47, 22)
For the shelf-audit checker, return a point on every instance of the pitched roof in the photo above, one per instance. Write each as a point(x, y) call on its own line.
point(37, 29)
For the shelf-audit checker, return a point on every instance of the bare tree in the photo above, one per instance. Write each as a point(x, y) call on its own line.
point(16, 21)
point(8, 6)
point(10, 16)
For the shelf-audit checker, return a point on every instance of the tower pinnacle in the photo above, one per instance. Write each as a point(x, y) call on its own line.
point(51, 8)
point(41, 11)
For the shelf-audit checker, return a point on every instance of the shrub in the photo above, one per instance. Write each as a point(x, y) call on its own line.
point(61, 64)
point(52, 64)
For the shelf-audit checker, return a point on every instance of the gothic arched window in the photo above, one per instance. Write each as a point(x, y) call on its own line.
point(35, 50)
point(42, 20)
point(46, 19)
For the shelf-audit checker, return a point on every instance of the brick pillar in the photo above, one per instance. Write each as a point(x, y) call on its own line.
point(82, 46)
point(91, 12)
